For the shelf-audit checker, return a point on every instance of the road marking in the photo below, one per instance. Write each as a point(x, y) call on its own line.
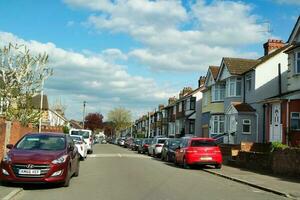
point(116, 155)
point(12, 194)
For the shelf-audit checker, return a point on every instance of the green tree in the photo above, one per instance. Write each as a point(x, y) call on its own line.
point(121, 118)
point(21, 77)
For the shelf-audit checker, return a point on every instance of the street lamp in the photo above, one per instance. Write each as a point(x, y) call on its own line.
point(84, 105)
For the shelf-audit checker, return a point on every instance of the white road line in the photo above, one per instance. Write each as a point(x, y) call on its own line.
point(12, 194)
point(117, 155)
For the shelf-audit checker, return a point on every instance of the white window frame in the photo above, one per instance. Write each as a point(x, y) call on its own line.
point(295, 118)
point(246, 124)
point(297, 68)
point(233, 81)
point(219, 119)
point(174, 110)
point(218, 92)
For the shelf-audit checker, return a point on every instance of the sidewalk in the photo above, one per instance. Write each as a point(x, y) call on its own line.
point(278, 185)
point(7, 193)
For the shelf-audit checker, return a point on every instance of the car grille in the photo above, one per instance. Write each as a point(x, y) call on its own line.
point(44, 170)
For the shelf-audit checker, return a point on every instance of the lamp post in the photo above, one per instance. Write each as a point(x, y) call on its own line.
point(84, 105)
point(41, 106)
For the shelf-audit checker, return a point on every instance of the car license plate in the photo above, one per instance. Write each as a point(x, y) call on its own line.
point(30, 171)
point(206, 158)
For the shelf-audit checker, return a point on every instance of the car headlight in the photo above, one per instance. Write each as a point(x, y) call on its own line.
point(6, 159)
point(60, 160)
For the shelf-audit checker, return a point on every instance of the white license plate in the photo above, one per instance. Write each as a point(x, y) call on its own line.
point(30, 171)
point(206, 158)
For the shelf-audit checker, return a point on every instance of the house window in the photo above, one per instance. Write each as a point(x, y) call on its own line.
point(249, 82)
point(218, 92)
point(180, 107)
point(174, 110)
point(193, 102)
point(205, 99)
point(234, 86)
point(297, 63)
point(192, 127)
point(246, 126)
point(217, 124)
point(295, 120)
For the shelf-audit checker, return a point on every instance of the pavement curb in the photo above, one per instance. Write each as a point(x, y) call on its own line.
point(12, 194)
point(252, 184)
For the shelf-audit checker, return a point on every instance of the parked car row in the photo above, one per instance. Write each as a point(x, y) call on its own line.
point(46, 157)
point(186, 151)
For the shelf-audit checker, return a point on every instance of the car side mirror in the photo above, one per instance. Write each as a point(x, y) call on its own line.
point(9, 146)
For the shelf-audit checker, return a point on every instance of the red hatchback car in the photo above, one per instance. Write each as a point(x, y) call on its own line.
point(198, 151)
point(41, 158)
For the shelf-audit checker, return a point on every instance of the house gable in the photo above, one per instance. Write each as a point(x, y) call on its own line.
point(209, 80)
point(224, 72)
point(295, 35)
point(230, 110)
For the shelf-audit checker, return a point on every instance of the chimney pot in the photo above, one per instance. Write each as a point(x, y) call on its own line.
point(272, 45)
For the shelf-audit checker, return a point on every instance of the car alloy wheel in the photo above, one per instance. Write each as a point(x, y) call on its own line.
point(68, 177)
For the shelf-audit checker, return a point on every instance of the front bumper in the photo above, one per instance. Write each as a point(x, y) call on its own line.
point(45, 177)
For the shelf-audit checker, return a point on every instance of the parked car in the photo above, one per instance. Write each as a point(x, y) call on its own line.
point(169, 148)
point(41, 158)
point(81, 146)
point(143, 146)
point(198, 151)
point(87, 136)
point(128, 142)
point(135, 144)
point(155, 147)
point(121, 142)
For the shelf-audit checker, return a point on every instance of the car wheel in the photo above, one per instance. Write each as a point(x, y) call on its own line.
point(76, 174)
point(153, 154)
point(218, 166)
point(185, 165)
point(68, 177)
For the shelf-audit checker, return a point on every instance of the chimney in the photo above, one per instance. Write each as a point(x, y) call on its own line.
point(272, 45)
point(185, 91)
point(172, 100)
point(201, 81)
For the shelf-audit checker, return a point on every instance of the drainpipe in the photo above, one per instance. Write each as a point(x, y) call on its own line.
point(287, 121)
point(256, 126)
point(264, 123)
point(279, 80)
point(244, 89)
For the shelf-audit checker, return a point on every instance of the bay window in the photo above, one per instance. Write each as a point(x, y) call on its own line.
point(217, 124)
point(295, 120)
point(218, 92)
point(234, 86)
point(297, 62)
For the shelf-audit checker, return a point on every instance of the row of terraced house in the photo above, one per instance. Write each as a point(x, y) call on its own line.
point(254, 100)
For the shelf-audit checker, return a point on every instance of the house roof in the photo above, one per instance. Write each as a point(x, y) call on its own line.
point(243, 107)
point(214, 71)
point(36, 102)
point(75, 124)
point(294, 31)
point(238, 66)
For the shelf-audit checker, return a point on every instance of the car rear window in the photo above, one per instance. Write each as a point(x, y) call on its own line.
point(84, 134)
point(203, 143)
point(161, 141)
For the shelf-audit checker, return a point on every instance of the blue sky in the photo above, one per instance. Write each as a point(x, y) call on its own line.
point(137, 53)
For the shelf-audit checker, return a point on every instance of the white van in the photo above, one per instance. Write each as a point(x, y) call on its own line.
point(87, 136)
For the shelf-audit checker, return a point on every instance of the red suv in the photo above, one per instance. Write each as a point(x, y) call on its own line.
point(41, 158)
point(198, 151)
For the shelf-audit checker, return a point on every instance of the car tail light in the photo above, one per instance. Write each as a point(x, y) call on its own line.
point(146, 145)
point(217, 151)
point(158, 145)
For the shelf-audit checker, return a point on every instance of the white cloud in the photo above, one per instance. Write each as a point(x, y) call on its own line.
point(78, 77)
point(175, 38)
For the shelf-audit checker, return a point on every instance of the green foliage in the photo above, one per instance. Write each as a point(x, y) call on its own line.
point(140, 135)
point(120, 118)
point(21, 77)
point(278, 145)
point(66, 129)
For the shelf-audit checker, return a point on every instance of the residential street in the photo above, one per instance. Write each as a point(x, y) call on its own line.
point(114, 173)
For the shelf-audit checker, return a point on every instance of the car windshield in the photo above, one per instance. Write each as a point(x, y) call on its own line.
point(84, 134)
point(42, 142)
point(203, 143)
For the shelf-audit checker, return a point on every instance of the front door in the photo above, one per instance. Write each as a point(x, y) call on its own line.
point(275, 126)
point(232, 129)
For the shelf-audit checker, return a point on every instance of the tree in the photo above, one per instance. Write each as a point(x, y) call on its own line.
point(120, 117)
point(93, 121)
point(21, 77)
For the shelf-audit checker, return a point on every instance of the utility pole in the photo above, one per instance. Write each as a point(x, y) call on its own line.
point(148, 125)
point(84, 104)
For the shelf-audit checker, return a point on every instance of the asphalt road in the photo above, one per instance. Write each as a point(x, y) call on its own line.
point(115, 173)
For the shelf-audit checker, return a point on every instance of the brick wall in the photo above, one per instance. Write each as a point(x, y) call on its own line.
point(17, 131)
point(286, 162)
